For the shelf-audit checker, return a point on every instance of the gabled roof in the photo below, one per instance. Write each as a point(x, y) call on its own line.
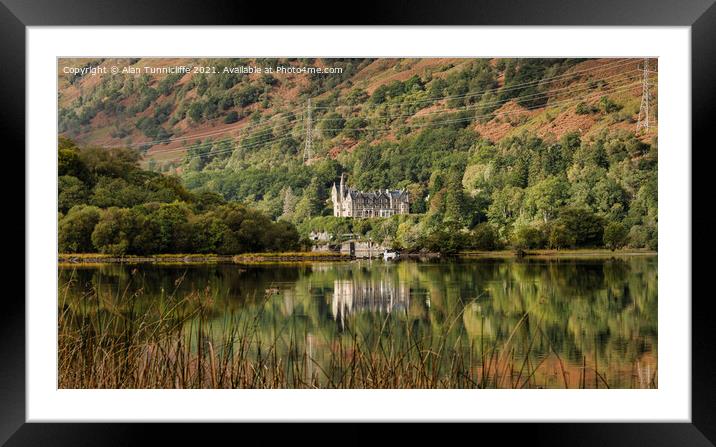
point(395, 194)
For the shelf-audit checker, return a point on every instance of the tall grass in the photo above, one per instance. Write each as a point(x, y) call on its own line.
point(185, 342)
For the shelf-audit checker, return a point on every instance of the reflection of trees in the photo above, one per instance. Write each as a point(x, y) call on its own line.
point(598, 313)
point(602, 310)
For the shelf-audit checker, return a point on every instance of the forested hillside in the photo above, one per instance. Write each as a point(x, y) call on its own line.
point(525, 153)
point(108, 204)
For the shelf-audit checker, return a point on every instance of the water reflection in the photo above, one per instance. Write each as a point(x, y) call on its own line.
point(368, 295)
point(571, 323)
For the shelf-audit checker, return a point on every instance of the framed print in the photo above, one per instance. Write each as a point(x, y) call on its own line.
point(237, 223)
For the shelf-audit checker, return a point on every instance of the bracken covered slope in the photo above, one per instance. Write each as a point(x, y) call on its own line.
point(517, 143)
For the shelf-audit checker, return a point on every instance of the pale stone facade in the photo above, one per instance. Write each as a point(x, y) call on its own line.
point(348, 202)
point(368, 295)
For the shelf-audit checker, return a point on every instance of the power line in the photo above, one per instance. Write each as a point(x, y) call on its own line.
point(571, 89)
point(470, 118)
point(564, 102)
point(179, 149)
point(204, 134)
point(643, 120)
point(608, 66)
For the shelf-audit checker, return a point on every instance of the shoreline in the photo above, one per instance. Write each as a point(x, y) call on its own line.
point(249, 258)
point(553, 253)
point(98, 258)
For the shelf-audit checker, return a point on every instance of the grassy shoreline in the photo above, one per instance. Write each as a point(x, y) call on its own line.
point(99, 258)
point(551, 253)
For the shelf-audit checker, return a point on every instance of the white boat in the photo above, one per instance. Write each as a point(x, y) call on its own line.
point(388, 255)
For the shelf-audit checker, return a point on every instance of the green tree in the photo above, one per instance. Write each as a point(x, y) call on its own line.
point(74, 231)
point(282, 236)
point(114, 162)
point(354, 126)
point(69, 162)
point(117, 192)
point(610, 198)
point(196, 111)
point(560, 237)
point(547, 197)
point(446, 239)
point(289, 203)
point(506, 206)
point(231, 117)
point(208, 233)
point(362, 226)
point(456, 203)
point(114, 231)
point(331, 124)
point(584, 226)
point(356, 96)
point(408, 234)
point(527, 237)
point(485, 237)
point(207, 200)
point(173, 231)
point(312, 201)
point(606, 105)
point(146, 238)
point(71, 191)
point(615, 235)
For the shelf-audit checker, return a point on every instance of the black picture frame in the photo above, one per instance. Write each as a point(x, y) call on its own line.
point(700, 15)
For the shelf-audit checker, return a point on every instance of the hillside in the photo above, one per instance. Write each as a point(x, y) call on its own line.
point(145, 108)
point(514, 142)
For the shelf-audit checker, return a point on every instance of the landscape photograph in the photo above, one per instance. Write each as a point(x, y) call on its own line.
point(357, 223)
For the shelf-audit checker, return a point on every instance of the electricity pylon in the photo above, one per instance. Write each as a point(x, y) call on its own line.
point(643, 121)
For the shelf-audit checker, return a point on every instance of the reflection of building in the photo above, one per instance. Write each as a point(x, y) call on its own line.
point(348, 202)
point(372, 295)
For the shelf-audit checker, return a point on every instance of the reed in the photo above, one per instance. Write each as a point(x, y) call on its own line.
point(184, 342)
